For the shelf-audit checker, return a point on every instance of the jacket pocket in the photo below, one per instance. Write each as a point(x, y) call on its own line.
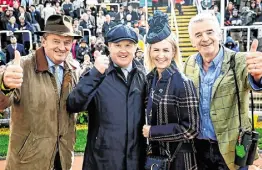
point(25, 145)
point(100, 142)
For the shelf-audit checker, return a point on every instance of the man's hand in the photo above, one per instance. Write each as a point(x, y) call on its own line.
point(13, 75)
point(101, 63)
point(254, 62)
point(146, 129)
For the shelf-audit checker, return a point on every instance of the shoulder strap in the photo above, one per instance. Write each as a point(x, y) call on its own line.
point(232, 66)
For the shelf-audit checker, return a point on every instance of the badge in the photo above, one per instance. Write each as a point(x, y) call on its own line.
point(240, 151)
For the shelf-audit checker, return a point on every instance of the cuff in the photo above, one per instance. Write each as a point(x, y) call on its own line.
point(254, 85)
point(5, 90)
point(94, 72)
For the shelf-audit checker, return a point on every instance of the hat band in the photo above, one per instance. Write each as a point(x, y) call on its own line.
point(57, 28)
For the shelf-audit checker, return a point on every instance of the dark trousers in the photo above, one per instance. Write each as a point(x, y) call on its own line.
point(57, 163)
point(179, 8)
point(208, 155)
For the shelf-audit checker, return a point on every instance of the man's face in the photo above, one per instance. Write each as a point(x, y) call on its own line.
point(108, 19)
point(13, 40)
point(57, 47)
point(205, 36)
point(122, 52)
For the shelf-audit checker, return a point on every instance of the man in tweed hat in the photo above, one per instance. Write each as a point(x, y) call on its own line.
point(113, 94)
point(211, 71)
point(42, 133)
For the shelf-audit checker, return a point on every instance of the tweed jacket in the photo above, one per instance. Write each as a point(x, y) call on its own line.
point(39, 121)
point(174, 116)
point(224, 109)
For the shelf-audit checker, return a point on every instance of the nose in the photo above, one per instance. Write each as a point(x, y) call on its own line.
point(62, 46)
point(205, 37)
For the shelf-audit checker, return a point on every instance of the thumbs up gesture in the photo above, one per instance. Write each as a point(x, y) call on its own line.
point(13, 75)
point(101, 62)
point(254, 62)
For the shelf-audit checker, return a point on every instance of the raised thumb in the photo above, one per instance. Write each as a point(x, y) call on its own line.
point(254, 46)
point(17, 58)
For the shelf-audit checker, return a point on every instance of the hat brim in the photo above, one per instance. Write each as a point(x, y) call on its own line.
point(122, 39)
point(76, 36)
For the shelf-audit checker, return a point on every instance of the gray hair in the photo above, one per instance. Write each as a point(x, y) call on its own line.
point(201, 18)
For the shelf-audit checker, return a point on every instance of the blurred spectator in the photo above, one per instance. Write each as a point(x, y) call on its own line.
point(78, 6)
point(67, 8)
point(15, 10)
point(231, 44)
point(120, 16)
point(154, 5)
point(235, 20)
point(26, 15)
point(5, 18)
point(10, 49)
point(248, 16)
point(47, 11)
point(92, 20)
point(257, 9)
point(77, 28)
point(108, 24)
point(58, 8)
point(217, 13)
point(133, 13)
point(139, 56)
point(179, 6)
point(2, 58)
point(92, 47)
point(101, 48)
point(128, 20)
point(103, 8)
point(141, 11)
point(7, 3)
point(229, 13)
point(112, 13)
point(25, 36)
point(74, 48)
point(36, 18)
point(87, 64)
point(82, 51)
point(27, 3)
point(12, 25)
point(100, 22)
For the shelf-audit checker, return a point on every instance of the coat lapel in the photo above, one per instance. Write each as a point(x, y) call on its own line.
point(224, 70)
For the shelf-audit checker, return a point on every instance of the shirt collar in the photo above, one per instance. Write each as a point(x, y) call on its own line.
point(51, 63)
point(215, 61)
point(128, 68)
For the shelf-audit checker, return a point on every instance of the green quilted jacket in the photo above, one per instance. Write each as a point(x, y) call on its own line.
point(224, 109)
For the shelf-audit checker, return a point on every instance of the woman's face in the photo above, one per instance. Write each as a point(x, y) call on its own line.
point(161, 54)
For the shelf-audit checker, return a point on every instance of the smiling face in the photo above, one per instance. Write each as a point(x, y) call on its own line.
point(161, 54)
point(122, 52)
point(57, 47)
point(205, 36)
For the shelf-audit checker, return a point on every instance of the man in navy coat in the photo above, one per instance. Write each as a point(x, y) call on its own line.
point(12, 47)
point(113, 93)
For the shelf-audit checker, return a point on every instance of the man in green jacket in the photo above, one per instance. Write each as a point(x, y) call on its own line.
point(210, 70)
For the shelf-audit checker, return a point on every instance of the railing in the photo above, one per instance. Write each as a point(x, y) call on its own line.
point(10, 33)
point(174, 20)
point(199, 6)
point(226, 28)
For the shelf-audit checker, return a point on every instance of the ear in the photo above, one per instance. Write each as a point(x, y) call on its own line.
point(193, 42)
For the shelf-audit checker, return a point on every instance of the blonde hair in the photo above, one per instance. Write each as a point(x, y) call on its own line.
point(177, 57)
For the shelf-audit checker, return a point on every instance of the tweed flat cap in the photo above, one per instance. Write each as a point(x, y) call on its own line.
point(159, 28)
point(121, 32)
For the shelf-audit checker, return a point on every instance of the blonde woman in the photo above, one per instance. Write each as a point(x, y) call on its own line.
point(172, 107)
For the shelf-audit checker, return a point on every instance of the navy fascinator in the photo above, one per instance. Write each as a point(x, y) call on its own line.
point(159, 28)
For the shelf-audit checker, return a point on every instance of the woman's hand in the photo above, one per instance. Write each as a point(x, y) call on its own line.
point(146, 130)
